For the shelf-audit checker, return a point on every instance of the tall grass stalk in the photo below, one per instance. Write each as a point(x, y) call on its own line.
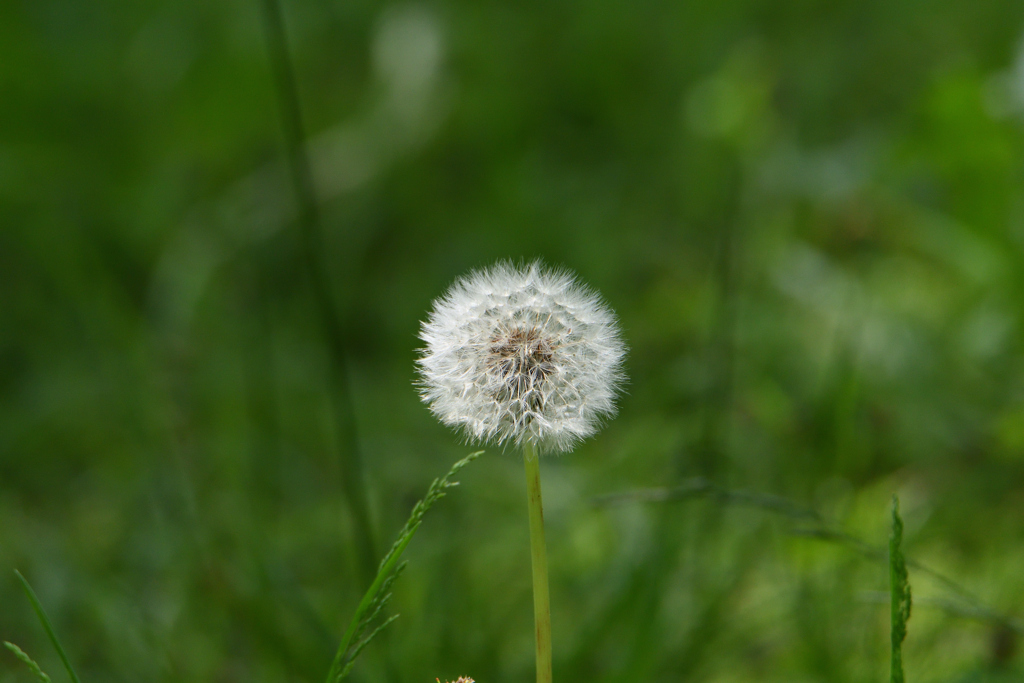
point(539, 561)
point(359, 634)
point(301, 175)
point(900, 588)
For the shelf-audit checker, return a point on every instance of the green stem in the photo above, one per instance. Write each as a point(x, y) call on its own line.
point(541, 599)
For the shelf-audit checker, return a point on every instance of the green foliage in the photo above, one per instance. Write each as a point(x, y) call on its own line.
point(808, 216)
point(358, 634)
point(27, 661)
point(900, 592)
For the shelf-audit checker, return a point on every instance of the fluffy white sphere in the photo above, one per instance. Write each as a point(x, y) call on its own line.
point(521, 355)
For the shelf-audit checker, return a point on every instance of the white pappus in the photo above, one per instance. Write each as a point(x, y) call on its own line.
point(523, 355)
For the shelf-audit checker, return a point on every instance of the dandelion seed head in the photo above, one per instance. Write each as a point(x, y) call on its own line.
point(521, 354)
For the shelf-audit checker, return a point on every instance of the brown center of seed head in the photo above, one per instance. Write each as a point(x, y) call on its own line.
point(522, 358)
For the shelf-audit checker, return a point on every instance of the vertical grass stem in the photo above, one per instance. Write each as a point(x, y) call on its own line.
point(539, 557)
point(301, 175)
point(900, 587)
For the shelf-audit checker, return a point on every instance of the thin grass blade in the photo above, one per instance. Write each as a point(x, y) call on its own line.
point(47, 626)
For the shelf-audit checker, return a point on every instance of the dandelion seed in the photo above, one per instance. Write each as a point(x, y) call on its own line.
point(521, 355)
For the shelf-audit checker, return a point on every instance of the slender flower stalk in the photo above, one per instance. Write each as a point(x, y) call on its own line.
point(539, 562)
point(527, 356)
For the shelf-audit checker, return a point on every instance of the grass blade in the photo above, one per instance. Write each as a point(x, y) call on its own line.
point(900, 587)
point(352, 643)
point(311, 232)
point(47, 626)
point(27, 661)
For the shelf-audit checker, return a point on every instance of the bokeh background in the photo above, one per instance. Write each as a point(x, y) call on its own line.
point(808, 215)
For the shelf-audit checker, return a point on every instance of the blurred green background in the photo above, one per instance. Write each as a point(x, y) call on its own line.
point(809, 217)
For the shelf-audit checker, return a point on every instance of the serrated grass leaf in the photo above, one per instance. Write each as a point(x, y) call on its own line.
point(900, 586)
point(364, 642)
point(378, 593)
point(28, 661)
